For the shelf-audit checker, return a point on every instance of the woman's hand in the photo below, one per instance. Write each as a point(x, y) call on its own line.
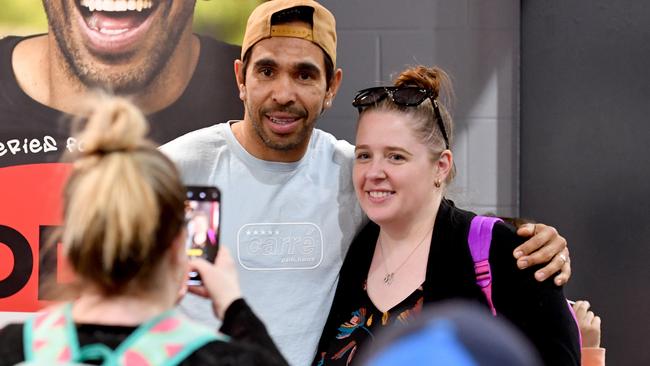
point(220, 281)
point(545, 246)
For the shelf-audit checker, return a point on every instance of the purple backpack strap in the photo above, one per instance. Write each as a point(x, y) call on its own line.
point(479, 239)
point(575, 319)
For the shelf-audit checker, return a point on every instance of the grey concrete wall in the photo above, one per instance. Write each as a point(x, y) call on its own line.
point(477, 42)
point(585, 102)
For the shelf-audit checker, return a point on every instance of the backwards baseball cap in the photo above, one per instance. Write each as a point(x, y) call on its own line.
point(322, 31)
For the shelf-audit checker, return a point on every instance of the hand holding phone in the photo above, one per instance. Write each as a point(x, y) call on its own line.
point(221, 282)
point(202, 218)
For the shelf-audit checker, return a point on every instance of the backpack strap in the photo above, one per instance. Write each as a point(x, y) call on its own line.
point(51, 338)
point(165, 340)
point(479, 240)
point(575, 319)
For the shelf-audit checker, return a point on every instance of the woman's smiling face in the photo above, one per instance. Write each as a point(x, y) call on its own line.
point(394, 172)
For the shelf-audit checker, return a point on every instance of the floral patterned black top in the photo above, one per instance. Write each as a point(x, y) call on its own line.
point(364, 323)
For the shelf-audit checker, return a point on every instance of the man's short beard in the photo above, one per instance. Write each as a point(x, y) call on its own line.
point(131, 82)
point(268, 142)
point(279, 146)
point(135, 80)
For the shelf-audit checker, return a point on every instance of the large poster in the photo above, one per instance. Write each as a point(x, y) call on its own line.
point(148, 51)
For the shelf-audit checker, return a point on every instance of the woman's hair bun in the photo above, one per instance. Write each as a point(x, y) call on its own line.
point(113, 124)
point(423, 77)
point(123, 202)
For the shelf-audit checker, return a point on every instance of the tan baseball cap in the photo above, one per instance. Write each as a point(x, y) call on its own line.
point(322, 32)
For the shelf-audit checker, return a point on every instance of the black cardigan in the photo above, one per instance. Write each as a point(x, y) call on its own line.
point(539, 310)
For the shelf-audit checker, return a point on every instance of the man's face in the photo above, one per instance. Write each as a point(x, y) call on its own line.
point(118, 44)
point(285, 92)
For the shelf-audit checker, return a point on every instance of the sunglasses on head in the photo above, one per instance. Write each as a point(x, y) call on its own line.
point(406, 96)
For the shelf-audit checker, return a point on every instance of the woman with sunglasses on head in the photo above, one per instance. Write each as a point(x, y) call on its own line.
point(415, 251)
point(123, 237)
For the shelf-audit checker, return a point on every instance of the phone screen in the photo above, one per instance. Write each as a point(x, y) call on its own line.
point(202, 215)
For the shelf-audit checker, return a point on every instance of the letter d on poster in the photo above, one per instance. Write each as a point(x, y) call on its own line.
point(30, 200)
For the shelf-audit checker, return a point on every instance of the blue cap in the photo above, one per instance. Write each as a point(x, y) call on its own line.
point(453, 333)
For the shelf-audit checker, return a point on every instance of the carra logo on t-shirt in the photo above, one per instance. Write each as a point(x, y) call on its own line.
point(280, 246)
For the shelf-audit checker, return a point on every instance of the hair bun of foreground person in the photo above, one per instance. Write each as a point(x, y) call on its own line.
point(120, 190)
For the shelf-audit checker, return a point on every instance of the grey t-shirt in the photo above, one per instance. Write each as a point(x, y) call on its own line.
point(287, 225)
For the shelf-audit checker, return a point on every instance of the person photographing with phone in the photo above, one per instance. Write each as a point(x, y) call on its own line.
point(124, 238)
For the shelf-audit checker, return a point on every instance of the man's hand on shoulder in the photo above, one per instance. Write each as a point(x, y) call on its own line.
point(544, 246)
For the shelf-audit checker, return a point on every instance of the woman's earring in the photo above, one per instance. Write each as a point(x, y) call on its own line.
point(437, 183)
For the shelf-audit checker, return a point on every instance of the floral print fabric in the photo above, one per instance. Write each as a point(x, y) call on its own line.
point(363, 325)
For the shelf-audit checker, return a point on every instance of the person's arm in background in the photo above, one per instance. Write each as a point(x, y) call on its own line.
point(589, 323)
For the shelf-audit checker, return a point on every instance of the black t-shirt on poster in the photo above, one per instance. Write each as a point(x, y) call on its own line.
point(31, 132)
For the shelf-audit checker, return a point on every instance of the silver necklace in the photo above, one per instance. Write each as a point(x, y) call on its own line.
point(388, 278)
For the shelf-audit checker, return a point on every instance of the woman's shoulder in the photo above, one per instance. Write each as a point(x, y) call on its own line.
point(230, 353)
point(217, 352)
point(11, 330)
point(11, 344)
point(502, 232)
point(505, 235)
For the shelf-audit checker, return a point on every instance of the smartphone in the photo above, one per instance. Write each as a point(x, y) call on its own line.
point(202, 218)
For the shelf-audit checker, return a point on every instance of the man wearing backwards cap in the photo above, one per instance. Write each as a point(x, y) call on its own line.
point(290, 210)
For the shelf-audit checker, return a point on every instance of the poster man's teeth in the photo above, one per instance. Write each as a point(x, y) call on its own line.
point(117, 5)
point(112, 32)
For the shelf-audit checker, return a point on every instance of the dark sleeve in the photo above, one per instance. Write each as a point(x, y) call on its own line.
point(539, 309)
point(11, 345)
point(250, 341)
point(241, 323)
